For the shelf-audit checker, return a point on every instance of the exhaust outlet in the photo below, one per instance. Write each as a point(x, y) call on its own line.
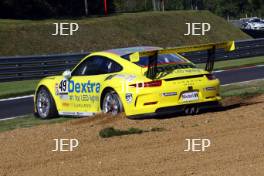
point(197, 110)
point(192, 110)
point(187, 110)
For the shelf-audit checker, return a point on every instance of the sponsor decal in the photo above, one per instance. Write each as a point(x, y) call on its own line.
point(91, 98)
point(188, 71)
point(210, 88)
point(64, 96)
point(80, 105)
point(129, 97)
point(169, 94)
point(178, 68)
point(128, 78)
point(65, 104)
point(77, 113)
point(65, 87)
point(57, 89)
point(190, 96)
point(110, 77)
point(88, 87)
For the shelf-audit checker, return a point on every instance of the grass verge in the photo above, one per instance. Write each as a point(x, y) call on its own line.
point(27, 121)
point(17, 88)
point(228, 64)
point(243, 89)
point(34, 37)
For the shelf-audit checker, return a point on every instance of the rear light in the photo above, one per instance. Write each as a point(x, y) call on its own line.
point(156, 83)
point(210, 77)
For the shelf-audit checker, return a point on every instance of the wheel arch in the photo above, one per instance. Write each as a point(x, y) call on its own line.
point(39, 87)
point(49, 91)
point(35, 98)
point(105, 90)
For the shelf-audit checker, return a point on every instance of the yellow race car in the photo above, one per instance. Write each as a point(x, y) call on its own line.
point(137, 81)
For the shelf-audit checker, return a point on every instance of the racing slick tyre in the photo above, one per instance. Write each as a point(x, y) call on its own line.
point(45, 104)
point(112, 103)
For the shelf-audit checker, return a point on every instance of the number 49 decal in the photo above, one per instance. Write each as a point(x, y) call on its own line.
point(62, 87)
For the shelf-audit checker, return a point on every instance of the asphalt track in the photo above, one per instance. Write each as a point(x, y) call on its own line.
point(23, 106)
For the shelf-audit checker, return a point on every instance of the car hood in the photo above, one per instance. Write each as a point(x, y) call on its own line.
point(258, 24)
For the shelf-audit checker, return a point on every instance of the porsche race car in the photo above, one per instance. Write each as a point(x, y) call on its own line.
point(137, 81)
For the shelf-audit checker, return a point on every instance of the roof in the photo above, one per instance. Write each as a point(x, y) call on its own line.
point(130, 50)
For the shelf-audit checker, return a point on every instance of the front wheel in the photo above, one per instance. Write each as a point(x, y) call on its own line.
point(112, 103)
point(45, 104)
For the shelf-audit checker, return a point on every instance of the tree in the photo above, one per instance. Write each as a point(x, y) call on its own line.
point(154, 5)
point(162, 5)
point(86, 8)
point(37, 9)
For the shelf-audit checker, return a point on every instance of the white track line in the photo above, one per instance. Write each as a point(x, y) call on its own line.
point(16, 98)
point(243, 82)
point(9, 118)
point(259, 65)
point(218, 71)
point(238, 68)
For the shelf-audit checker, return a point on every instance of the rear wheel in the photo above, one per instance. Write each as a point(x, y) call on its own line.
point(45, 104)
point(112, 103)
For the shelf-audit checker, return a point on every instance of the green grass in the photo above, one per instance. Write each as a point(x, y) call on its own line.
point(30, 121)
point(27, 121)
point(243, 89)
point(220, 65)
point(17, 88)
point(29, 37)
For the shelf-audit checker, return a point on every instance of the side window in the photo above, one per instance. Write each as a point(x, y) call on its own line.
point(96, 65)
point(81, 69)
point(84, 67)
point(111, 66)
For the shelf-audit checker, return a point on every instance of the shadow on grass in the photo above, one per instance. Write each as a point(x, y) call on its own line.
point(111, 131)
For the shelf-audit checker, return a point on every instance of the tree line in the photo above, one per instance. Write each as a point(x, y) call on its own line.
point(40, 9)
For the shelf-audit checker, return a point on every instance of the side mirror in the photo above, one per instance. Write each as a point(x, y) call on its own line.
point(134, 57)
point(67, 74)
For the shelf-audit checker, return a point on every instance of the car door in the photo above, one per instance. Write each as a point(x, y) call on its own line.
point(85, 86)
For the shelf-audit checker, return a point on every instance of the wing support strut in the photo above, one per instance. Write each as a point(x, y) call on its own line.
point(210, 59)
point(152, 65)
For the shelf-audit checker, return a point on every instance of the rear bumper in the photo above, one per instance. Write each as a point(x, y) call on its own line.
point(177, 109)
point(180, 108)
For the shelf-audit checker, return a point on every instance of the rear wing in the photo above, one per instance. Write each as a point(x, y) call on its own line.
point(210, 48)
